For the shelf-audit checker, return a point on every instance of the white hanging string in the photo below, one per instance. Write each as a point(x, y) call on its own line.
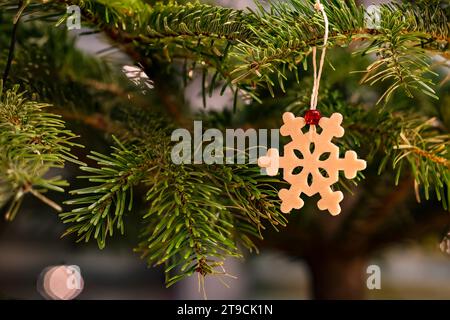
point(317, 75)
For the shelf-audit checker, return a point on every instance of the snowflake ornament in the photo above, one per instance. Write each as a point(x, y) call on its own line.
point(319, 162)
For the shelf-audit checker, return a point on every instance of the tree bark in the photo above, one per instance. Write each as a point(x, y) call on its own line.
point(338, 277)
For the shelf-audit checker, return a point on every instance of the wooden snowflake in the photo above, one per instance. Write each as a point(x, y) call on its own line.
point(318, 163)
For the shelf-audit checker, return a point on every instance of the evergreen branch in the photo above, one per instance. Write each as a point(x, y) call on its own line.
point(247, 49)
point(290, 29)
point(31, 142)
point(398, 60)
point(253, 195)
point(189, 229)
point(200, 215)
point(102, 206)
point(197, 215)
point(417, 142)
point(427, 153)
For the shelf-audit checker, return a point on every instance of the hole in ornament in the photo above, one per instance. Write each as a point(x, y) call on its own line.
point(297, 170)
point(319, 129)
point(324, 173)
point(310, 180)
point(298, 154)
point(305, 129)
point(324, 156)
point(312, 147)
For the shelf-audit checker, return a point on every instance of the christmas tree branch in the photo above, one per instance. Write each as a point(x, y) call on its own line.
point(101, 207)
point(196, 217)
point(246, 49)
point(31, 142)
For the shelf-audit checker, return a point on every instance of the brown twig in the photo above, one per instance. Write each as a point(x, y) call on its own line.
point(22, 5)
point(439, 160)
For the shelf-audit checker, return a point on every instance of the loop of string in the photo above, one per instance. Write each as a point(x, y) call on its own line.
point(317, 75)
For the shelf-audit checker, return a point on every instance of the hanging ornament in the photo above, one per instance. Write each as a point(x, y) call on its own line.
point(317, 157)
point(319, 162)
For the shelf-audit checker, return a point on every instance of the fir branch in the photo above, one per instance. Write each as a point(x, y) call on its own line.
point(189, 229)
point(206, 211)
point(427, 153)
point(247, 49)
point(31, 142)
point(101, 207)
point(398, 60)
point(196, 217)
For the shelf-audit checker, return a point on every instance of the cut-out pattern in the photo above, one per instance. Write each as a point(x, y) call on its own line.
point(311, 163)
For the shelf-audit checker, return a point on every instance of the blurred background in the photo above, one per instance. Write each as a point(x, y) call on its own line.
point(411, 269)
point(32, 243)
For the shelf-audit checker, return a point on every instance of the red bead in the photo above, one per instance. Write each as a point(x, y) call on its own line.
point(312, 117)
